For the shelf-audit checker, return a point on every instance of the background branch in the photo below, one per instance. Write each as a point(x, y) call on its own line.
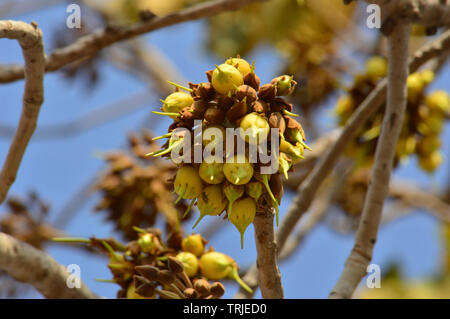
point(366, 235)
point(413, 196)
point(92, 119)
point(27, 264)
point(29, 37)
point(90, 45)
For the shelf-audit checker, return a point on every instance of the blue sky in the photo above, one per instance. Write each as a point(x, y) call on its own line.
point(58, 167)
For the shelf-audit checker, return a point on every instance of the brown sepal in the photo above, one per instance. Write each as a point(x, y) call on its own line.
point(224, 102)
point(214, 116)
point(247, 92)
point(276, 120)
point(238, 110)
point(259, 106)
point(209, 75)
point(253, 80)
point(267, 92)
point(278, 104)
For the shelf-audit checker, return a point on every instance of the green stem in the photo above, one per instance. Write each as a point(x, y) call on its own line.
point(189, 208)
point(139, 229)
point(180, 86)
point(71, 240)
point(305, 145)
point(112, 281)
point(182, 193)
point(286, 112)
point(198, 220)
point(162, 136)
point(166, 113)
point(234, 275)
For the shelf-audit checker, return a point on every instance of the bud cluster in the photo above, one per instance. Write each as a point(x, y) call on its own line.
point(133, 192)
point(181, 268)
point(26, 219)
point(422, 125)
point(233, 97)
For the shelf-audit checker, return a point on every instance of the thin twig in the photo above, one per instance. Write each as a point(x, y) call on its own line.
point(29, 37)
point(269, 277)
point(91, 44)
point(92, 119)
point(413, 196)
point(32, 266)
point(318, 210)
point(366, 235)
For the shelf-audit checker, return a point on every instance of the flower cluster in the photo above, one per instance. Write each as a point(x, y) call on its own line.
point(232, 181)
point(181, 268)
point(134, 188)
point(26, 220)
point(422, 125)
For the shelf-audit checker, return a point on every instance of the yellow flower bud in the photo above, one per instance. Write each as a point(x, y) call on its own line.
point(242, 215)
point(211, 173)
point(177, 101)
point(211, 202)
point(232, 192)
point(225, 78)
point(240, 64)
point(431, 161)
point(254, 189)
point(439, 101)
point(215, 265)
point(188, 183)
point(147, 243)
point(238, 170)
point(190, 263)
point(256, 126)
point(193, 244)
point(376, 67)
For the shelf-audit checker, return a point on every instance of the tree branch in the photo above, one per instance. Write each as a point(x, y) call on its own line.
point(29, 37)
point(91, 44)
point(269, 277)
point(429, 13)
point(366, 235)
point(27, 264)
